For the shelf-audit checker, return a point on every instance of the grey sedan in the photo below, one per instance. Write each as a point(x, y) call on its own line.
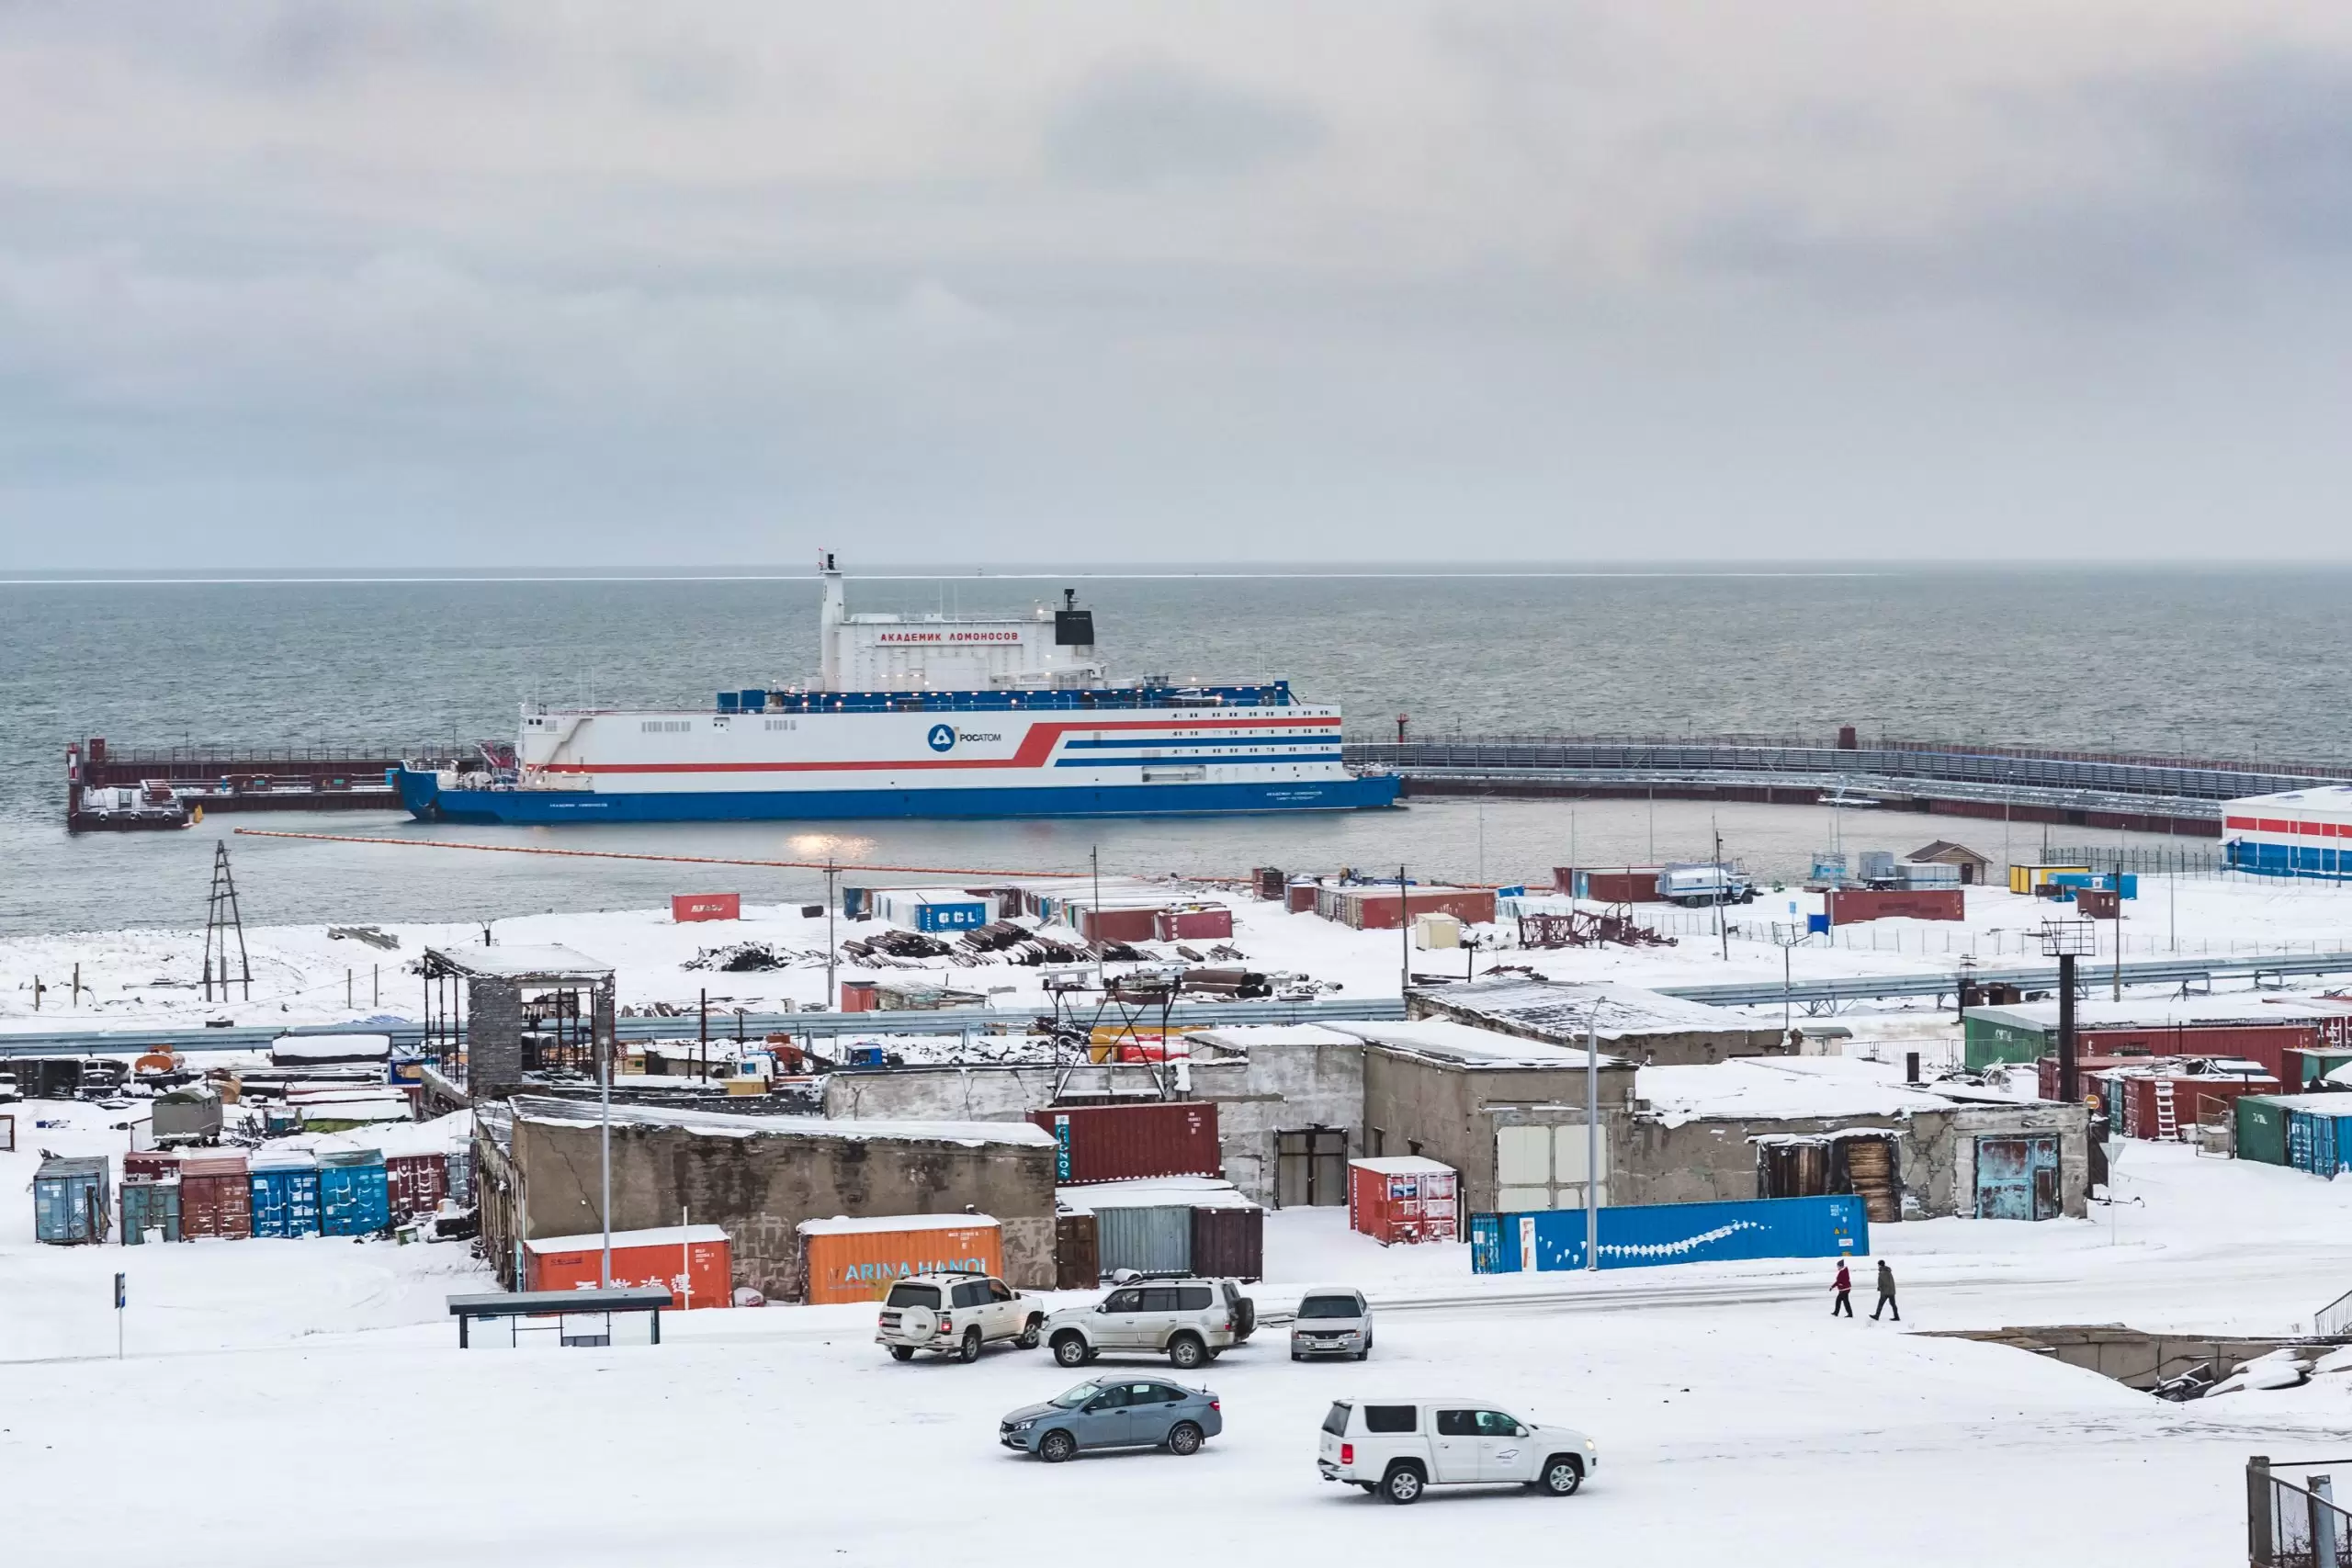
point(1104, 1412)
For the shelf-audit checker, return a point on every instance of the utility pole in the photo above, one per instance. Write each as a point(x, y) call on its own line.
point(1094, 861)
point(604, 1157)
point(1723, 891)
point(1404, 936)
point(703, 1031)
point(1592, 1136)
point(832, 952)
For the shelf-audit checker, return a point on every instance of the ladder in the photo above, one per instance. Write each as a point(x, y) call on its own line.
point(2168, 1125)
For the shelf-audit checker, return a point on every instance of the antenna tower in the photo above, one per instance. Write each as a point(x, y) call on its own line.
point(221, 922)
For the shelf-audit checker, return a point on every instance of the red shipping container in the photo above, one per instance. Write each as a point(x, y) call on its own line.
point(416, 1183)
point(1124, 1143)
point(1852, 905)
point(1299, 899)
point(686, 906)
point(152, 1163)
point(2142, 1115)
point(2265, 1045)
point(1380, 909)
point(858, 995)
point(1609, 884)
point(1119, 925)
point(1193, 925)
point(2046, 1071)
point(216, 1197)
point(692, 1262)
point(1403, 1199)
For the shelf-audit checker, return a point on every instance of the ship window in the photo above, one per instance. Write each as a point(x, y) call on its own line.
point(783, 723)
point(666, 726)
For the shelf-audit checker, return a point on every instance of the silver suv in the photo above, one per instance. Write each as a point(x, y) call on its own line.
point(955, 1314)
point(1189, 1321)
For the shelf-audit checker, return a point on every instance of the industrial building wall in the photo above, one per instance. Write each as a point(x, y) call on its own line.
point(1450, 1111)
point(759, 1188)
point(1660, 1048)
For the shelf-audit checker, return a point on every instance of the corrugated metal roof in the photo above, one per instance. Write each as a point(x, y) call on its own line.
point(1563, 1010)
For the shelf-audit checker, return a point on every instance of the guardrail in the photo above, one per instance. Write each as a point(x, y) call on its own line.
point(2180, 971)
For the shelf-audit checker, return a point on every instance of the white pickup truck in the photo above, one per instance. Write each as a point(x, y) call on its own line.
point(1400, 1447)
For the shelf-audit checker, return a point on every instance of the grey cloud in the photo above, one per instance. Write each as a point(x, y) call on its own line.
point(1149, 124)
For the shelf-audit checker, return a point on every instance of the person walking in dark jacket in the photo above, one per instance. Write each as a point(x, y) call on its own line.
point(1845, 1287)
point(1886, 1293)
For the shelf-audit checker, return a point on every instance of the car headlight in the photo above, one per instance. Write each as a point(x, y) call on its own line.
point(1025, 1426)
point(1588, 1445)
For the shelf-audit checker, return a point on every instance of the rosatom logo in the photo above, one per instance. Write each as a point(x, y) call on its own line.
point(943, 738)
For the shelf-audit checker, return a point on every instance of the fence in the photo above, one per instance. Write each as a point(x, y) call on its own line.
point(2292, 1519)
point(2333, 1321)
point(2147, 859)
point(1950, 938)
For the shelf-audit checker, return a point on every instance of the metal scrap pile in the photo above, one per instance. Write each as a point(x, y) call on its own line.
point(1588, 927)
point(751, 958)
point(1017, 944)
point(897, 944)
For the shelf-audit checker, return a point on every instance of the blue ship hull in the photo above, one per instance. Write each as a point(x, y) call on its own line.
point(421, 794)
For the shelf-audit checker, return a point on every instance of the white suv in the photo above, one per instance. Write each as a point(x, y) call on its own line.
point(958, 1312)
point(1401, 1448)
point(1190, 1321)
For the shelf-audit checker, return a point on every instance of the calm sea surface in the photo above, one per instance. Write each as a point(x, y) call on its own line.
point(2208, 662)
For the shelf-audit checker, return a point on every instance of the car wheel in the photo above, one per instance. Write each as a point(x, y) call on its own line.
point(969, 1350)
point(1029, 1333)
point(1069, 1349)
point(1402, 1484)
point(902, 1352)
point(1186, 1438)
point(1365, 1354)
point(1561, 1475)
point(1185, 1353)
point(1056, 1447)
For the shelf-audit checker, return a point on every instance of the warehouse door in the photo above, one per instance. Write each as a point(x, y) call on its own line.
point(1311, 1168)
point(2016, 1178)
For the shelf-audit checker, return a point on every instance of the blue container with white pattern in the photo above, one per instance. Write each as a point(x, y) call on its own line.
point(1671, 1232)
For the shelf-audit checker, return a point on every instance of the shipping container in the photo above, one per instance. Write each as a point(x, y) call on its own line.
point(859, 995)
point(285, 1195)
point(1116, 925)
point(190, 1114)
point(2032, 878)
point(688, 907)
point(1077, 1252)
point(933, 908)
point(216, 1197)
point(1403, 1199)
point(1267, 881)
point(150, 1203)
point(71, 1203)
point(2306, 1066)
point(1156, 1240)
point(1229, 1243)
point(415, 1184)
point(2319, 1135)
point(151, 1165)
point(2265, 1045)
point(694, 1263)
point(1672, 1233)
point(1193, 925)
point(1608, 884)
point(1852, 905)
point(857, 1260)
point(2143, 1093)
point(355, 1196)
point(2261, 1128)
point(1378, 908)
point(1298, 897)
point(1122, 1143)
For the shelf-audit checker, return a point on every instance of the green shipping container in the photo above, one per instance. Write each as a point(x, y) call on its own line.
point(2262, 1128)
point(1991, 1040)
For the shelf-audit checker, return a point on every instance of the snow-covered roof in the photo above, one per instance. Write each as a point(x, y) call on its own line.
point(889, 1224)
point(1250, 1036)
point(331, 1048)
point(1563, 1011)
point(2162, 1012)
point(439, 1135)
point(667, 1235)
point(2318, 800)
point(1402, 1164)
point(584, 1113)
point(1767, 1087)
point(1464, 1045)
point(1154, 1192)
point(520, 962)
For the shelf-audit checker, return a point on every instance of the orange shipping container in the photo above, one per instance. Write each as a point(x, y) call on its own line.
point(858, 1260)
point(692, 1262)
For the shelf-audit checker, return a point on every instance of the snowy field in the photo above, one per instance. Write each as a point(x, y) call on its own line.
point(301, 975)
point(305, 1403)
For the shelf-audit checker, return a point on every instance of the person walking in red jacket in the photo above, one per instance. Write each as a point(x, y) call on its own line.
point(1845, 1287)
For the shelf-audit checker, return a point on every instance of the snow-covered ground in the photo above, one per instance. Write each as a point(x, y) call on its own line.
point(305, 1402)
point(301, 975)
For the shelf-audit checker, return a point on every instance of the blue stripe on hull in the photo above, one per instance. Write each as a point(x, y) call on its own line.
point(420, 795)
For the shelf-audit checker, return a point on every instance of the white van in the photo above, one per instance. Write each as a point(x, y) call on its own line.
point(1400, 1447)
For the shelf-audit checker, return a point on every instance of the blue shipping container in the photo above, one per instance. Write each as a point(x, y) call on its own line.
point(946, 916)
point(285, 1199)
point(353, 1200)
point(2319, 1142)
point(70, 1201)
point(1671, 1232)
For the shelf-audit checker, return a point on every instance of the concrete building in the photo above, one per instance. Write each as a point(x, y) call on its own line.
point(1740, 1130)
point(1508, 1113)
point(758, 1177)
point(1640, 1025)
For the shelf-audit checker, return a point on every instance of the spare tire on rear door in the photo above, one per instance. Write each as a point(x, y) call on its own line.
point(918, 1322)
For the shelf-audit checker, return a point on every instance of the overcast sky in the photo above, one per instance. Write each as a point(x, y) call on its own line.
point(341, 285)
